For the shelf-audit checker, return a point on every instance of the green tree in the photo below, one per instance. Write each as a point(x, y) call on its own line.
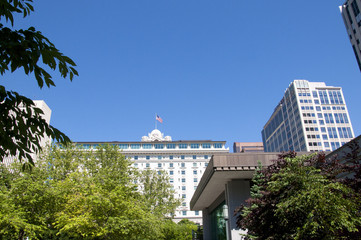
point(78, 194)
point(302, 198)
point(158, 192)
point(184, 230)
point(21, 125)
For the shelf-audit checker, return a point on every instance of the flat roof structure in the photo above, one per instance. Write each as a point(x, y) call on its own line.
point(223, 168)
point(224, 186)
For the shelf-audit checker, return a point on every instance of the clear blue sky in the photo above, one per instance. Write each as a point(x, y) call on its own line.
point(212, 69)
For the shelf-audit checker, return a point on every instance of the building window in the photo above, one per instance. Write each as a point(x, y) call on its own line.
point(147, 157)
point(183, 187)
point(206, 145)
point(170, 164)
point(171, 180)
point(147, 165)
point(159, 165)
point(184, 213)
point(182, 157)
point(147, 146)
point(159, 157)
point(183, 164)
point(194, 157)
point(196, 213)
point(183, 145)
point(194, 164)
point(159, 146)
point(194, 145)
point(205, 156)
point(183, 172)
point(171, 172)
point(195, 180)
point(184, 204)
point(135, 146)
point(171, 157)
point(171, 146)
point(217, 145)
point(195, 172)
point(183, 180)
point(135, 157)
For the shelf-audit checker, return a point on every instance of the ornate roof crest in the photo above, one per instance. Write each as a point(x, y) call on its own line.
point(156, 136)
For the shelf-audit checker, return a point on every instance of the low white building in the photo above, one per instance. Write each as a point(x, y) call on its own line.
point(184, 161)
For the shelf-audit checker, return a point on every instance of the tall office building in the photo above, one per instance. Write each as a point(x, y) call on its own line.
point(184, 161)
point(351, 16)
point(310, 117)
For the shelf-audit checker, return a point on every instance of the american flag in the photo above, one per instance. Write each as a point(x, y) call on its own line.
point(159, 119)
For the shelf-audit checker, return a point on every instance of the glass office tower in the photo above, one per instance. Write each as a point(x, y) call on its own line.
point(310, 117)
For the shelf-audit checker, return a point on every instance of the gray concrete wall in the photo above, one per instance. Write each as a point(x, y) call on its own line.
point(237, 192)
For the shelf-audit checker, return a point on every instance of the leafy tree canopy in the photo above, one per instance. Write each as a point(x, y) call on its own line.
point(303, 197)
point(21, 125)
point(79, 194)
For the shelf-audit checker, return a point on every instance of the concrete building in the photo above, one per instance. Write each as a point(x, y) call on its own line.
point(247, 147)
point(225, 185)
point(310, 117)
point(45, 140)
point(184, 161)
point(351, 16)
point(226, 182)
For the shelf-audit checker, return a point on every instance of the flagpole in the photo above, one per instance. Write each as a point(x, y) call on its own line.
point(156, 121)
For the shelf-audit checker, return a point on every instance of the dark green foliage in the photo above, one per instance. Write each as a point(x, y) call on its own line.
point(21, 125)
point(303, 198)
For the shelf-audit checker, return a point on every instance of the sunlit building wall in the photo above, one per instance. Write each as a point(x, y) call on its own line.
point(310, 117)
point(183, 160)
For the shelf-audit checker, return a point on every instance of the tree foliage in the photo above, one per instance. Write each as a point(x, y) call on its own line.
point(30, 50)
point(303, 197)
point(163, 203)
point(184, 230)
point(80, 194)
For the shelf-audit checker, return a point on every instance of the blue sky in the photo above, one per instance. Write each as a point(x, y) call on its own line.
point(211, 69)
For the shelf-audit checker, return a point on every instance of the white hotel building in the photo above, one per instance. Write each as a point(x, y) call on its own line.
point(184, 161)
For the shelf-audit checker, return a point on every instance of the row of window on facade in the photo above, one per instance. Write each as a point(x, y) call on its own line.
point(171, 157)
point(339, 117)
point(182, 180)
point(171, 165)
point(158, 146)
point(184, 213)
point(333, 145)
point(328, 120)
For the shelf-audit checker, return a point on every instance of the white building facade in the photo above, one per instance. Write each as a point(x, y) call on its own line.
point(184, 161)
point(310, 117)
